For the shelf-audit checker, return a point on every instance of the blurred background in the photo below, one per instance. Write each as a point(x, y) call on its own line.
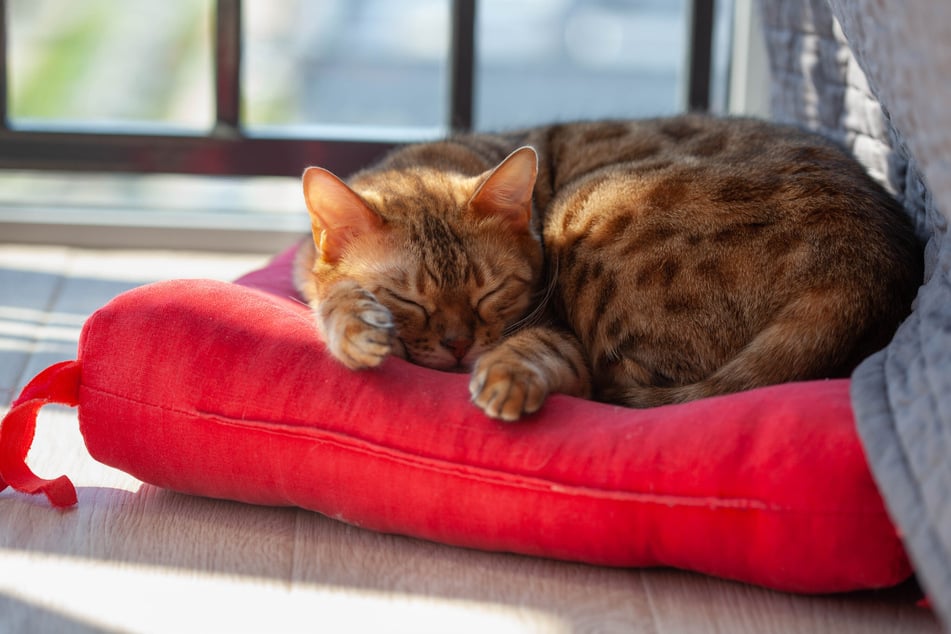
point(343, 68)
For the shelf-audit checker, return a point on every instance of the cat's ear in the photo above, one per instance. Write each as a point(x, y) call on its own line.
point(507, 191)
point(337, 213)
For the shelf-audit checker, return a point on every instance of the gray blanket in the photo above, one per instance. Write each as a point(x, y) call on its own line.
point(876, 75)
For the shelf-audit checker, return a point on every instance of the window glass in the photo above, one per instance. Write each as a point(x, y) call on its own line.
point(556, 60)
point(346, 62)
point(110, 62)
point(359, 69)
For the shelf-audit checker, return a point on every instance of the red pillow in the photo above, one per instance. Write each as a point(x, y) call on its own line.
point(218, 390)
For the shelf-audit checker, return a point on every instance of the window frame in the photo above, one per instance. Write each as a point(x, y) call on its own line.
point(229, 149)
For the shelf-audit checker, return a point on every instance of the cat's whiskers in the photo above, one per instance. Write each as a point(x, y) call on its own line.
point(296, 300)
point(541, 306)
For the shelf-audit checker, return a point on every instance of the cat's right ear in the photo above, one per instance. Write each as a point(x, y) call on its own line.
point(337, 213)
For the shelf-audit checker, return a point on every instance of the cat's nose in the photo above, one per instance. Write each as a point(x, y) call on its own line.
point(458, 346)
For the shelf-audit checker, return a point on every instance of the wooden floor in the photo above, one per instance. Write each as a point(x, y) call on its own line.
point(134, 558)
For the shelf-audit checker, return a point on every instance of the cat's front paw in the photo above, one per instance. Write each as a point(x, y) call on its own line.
point(359, 330)
point(505, 388)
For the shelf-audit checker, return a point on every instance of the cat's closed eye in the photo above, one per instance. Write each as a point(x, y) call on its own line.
point(404, 302)
point(502, 299)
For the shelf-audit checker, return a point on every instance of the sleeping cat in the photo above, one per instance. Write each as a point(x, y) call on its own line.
point(635, 262)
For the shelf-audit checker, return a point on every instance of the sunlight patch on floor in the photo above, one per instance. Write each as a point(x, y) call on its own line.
point(135, 597)
point(127, 266)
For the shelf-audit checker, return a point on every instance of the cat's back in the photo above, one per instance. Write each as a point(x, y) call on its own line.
point(725, 159)
point(680, 241)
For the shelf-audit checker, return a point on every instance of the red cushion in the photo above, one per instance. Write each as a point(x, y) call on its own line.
point(219, 390)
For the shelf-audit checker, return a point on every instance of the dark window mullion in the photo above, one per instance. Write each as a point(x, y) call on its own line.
point(462, 65)
point(227, 151)
point(228, 67)
point(700, 53)
point(4, 73)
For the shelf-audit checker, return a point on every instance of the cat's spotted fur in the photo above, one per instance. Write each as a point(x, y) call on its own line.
point(642, 262)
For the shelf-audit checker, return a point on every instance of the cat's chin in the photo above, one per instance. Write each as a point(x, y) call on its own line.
point(459, 369)
point(443, 365)
point(453, 366)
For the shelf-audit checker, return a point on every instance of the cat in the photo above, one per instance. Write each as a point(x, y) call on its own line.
point(643, 263)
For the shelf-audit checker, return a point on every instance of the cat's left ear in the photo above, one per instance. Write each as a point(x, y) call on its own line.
point(507, 191)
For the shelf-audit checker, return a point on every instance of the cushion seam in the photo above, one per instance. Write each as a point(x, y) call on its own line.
point(491, 474)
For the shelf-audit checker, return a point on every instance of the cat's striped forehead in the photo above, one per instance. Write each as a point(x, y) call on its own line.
point(436, 241)
point(410, 192)
point(427, 254)
point(445, 258)
point(426, 214)
point(440, 249)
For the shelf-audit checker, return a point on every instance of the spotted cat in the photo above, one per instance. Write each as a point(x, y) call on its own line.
point(636, 262)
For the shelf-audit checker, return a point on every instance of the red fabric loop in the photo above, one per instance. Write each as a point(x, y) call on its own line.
point(58, 383)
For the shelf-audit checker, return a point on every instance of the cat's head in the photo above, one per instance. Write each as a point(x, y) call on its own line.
point(452, 256)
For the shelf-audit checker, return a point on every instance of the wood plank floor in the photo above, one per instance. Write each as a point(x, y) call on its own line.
point(134, 558)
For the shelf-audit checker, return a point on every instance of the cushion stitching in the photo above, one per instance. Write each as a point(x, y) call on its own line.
point(493, 474)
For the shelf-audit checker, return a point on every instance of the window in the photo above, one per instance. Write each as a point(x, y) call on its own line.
point(555, 61)
point(380, 63)
point(110, 65)
point(329, 63)
point(238, 88)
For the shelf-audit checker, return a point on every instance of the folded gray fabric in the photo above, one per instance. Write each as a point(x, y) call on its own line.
point(862, 72)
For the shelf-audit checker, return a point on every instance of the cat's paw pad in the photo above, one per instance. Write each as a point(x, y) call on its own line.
point(506, 389)
point(361, 337)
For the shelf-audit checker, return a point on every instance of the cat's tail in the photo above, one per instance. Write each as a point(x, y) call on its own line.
point(815, 336)
point(645, 396)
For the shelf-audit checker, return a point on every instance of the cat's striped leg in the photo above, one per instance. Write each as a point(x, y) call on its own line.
point(515, 377)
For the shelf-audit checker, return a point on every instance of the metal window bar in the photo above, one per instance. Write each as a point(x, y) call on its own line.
point(228, 67)
point(700, 55)
point(228, 150)
point(462, 64)
point(3, 66)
